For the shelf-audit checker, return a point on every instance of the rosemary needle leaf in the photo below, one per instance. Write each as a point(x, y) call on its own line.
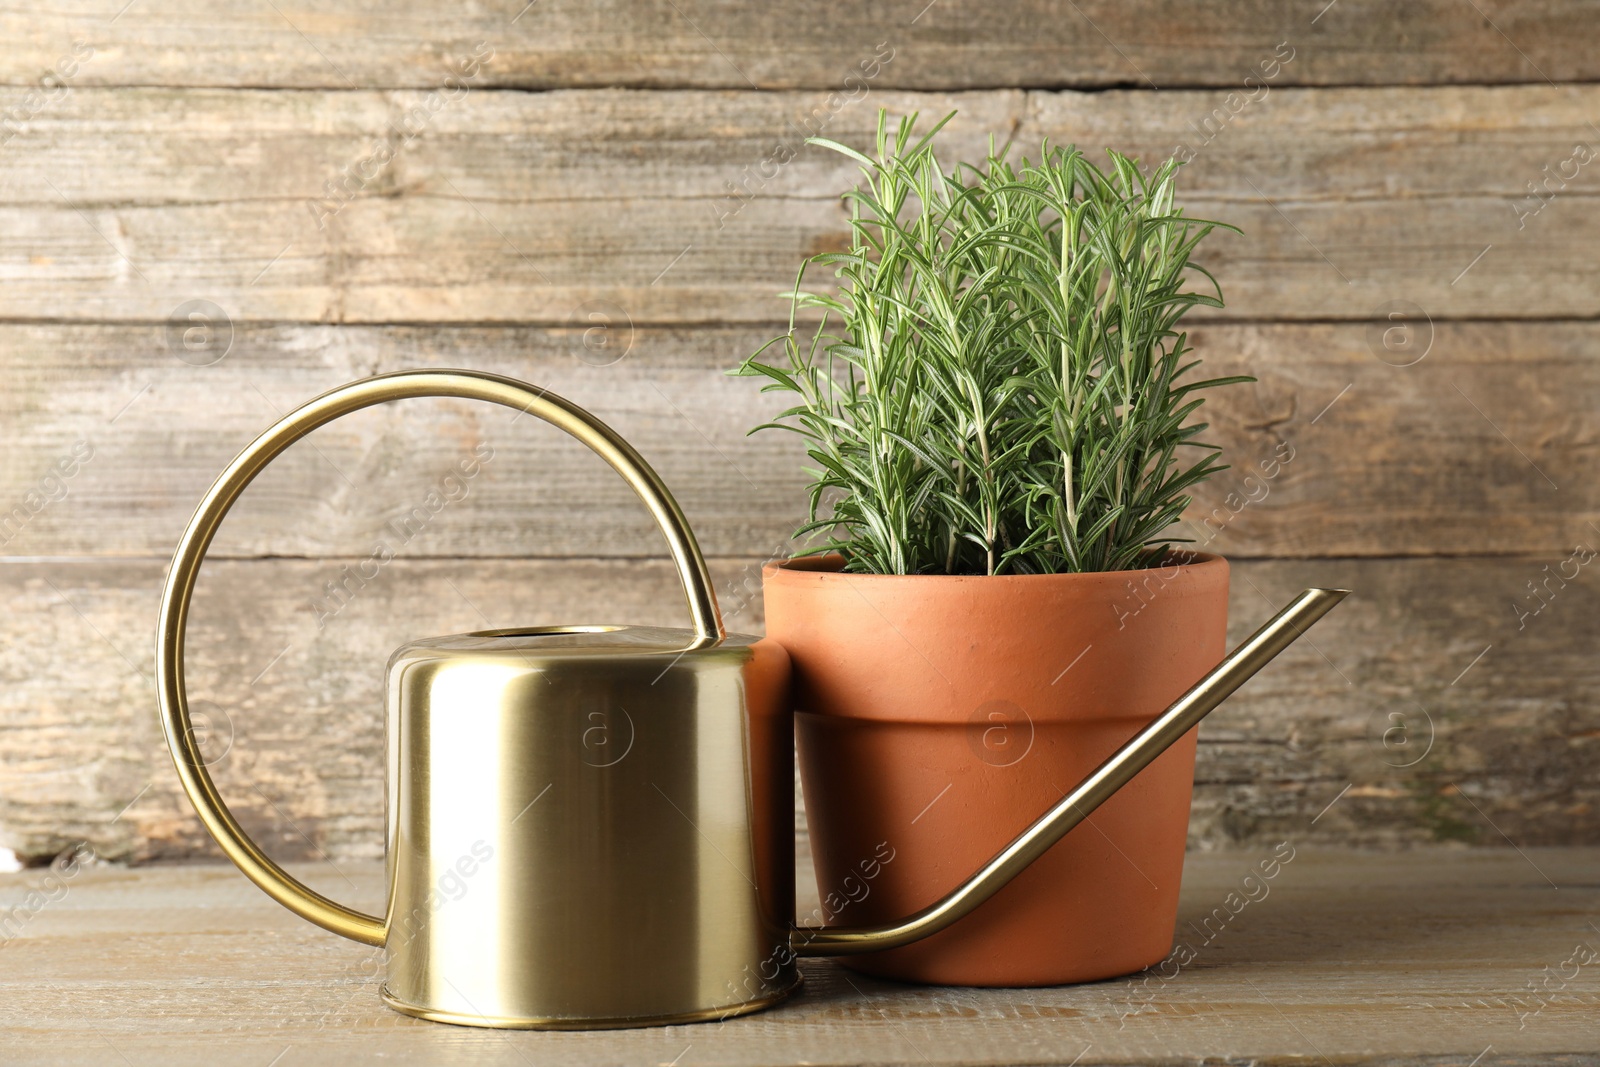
point(1005, 389)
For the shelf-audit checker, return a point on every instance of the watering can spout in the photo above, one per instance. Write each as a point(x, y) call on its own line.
point(1239, 666)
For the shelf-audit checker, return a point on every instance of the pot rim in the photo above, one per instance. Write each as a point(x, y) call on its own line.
point(827, 566)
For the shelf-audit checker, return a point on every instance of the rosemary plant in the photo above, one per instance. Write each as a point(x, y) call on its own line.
point(998, 386)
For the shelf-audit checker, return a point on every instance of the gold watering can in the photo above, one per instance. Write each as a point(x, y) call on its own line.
point(535, 884)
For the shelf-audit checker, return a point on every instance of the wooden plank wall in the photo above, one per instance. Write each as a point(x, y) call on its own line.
point(600, 197)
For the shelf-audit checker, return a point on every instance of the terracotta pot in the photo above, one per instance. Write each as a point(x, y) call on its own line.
point(938, 716)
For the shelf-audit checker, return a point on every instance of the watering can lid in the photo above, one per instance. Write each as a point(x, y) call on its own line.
point(541, 643)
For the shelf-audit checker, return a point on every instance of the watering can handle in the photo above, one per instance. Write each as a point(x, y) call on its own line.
point(186, 561)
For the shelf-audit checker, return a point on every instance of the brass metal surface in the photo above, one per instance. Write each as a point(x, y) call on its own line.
point(706, 1015)
point(590, 827)
point(586, 825)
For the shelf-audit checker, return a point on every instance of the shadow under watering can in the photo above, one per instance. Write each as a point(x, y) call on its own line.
point(593, 826)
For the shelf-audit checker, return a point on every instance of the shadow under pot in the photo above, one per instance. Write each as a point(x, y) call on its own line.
point(937, 716)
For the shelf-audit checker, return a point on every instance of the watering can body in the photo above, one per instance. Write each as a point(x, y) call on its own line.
point(593, 826)
point(588, 826)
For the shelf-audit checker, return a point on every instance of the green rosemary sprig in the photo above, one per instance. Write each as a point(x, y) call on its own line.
point(1006, 389)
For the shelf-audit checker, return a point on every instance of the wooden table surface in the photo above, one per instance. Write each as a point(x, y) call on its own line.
point(1417, 957)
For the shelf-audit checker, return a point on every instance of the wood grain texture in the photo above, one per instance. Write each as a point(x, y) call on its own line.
point(1402, 961)
point(678, 206)
point(1448, 456)
point(162, 430)
point(723, 44)
point(616, 181)
point(1393, 716)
